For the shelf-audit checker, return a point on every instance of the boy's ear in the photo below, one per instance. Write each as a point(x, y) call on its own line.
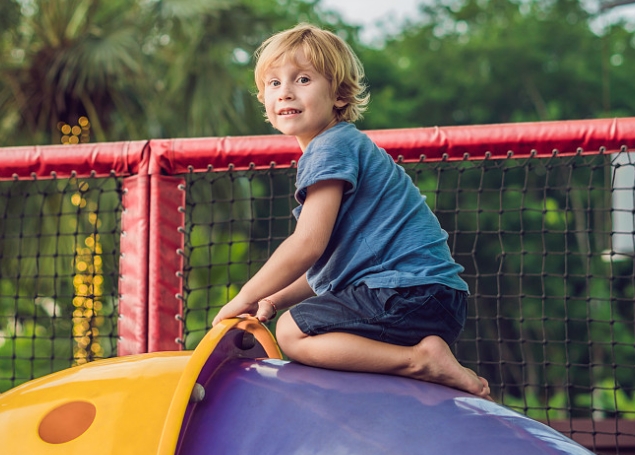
point(340, 103)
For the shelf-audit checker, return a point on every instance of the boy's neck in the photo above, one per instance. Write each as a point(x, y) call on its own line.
point(305, 143)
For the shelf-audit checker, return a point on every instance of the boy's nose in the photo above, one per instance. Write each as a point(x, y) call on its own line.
point(286, 92)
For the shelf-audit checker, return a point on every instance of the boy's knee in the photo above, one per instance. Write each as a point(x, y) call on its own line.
point(288, 333)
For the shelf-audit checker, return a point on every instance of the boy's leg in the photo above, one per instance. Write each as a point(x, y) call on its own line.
point(431, 360)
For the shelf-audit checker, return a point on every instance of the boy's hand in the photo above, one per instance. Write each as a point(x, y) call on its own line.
point(235, 307)
point(263, 310)
point(266, 310)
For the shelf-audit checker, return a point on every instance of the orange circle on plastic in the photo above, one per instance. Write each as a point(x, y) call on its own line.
point(67, 422)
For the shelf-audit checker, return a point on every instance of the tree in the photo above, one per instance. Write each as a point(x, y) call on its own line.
point(500, 61)
point(135, 70)
point(68, 58)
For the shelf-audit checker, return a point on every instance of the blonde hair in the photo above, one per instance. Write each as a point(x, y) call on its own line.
point(329, 54)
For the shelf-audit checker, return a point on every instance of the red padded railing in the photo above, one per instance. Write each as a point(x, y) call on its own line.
point(176, 156)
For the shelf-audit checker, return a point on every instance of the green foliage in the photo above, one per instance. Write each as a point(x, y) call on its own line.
point(184, 68)
point(554, 407)
point(235, 220)
point(609, 400)
point(177, 68)
point(44, 224)
point(27, 345)
point(498, 61)
point(549, 312)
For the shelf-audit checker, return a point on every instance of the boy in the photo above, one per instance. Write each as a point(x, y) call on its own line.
point(367, 272)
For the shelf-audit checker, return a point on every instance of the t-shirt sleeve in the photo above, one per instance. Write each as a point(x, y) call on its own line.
point(326, 160)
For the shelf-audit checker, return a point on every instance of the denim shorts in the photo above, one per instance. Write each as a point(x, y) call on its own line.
point(402, 316)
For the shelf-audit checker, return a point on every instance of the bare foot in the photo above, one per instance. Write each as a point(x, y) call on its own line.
point(435, 362)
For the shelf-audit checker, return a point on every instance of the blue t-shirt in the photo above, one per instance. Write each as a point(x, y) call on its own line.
point(385, 235)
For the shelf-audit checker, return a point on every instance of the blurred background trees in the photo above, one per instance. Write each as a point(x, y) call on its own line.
point(179, 68)
point(140, 69)
point(501, 61)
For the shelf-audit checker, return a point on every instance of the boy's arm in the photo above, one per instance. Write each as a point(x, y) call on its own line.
point(296, 254)
point(296, 292)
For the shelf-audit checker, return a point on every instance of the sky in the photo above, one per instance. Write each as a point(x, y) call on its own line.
point(368, 12)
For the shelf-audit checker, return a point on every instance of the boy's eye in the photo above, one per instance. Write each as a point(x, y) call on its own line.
point(303, 79)
point(274, 83)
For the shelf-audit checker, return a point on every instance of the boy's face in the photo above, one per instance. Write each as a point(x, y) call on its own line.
point(298, 99)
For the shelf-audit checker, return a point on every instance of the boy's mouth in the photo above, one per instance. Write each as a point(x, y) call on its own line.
point(289, 112)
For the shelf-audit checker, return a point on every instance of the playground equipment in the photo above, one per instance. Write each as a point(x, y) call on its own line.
point(234, 395)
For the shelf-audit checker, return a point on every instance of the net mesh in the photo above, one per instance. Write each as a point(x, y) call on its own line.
point(551, 308)
point(234, 221)
point(59, 245)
